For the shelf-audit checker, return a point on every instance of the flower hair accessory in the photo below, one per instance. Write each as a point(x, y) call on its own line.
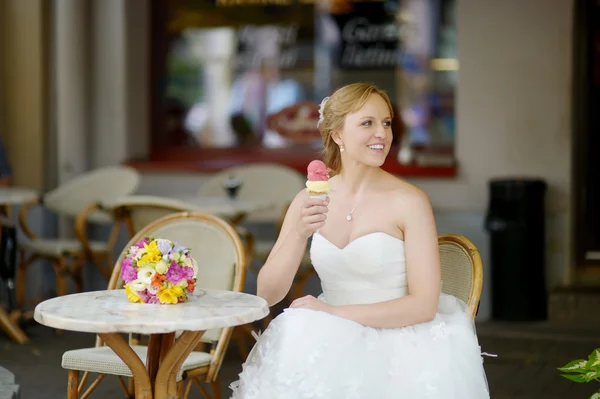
point(322, 111)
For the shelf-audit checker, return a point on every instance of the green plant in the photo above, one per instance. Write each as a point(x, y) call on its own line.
point(584, 370)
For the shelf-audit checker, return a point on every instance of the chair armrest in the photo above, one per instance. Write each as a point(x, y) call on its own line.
point(23, 217)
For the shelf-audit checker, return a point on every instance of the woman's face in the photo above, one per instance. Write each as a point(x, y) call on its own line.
point(367, 133)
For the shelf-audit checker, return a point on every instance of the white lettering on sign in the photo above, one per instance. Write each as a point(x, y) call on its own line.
point(374, 56)
point(360, 30)
point(248, 59)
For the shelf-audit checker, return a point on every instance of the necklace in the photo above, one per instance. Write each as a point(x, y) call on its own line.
point(349, 216)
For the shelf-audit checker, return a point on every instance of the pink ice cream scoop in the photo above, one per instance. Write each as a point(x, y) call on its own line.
point(317, 171)
point(317, 183)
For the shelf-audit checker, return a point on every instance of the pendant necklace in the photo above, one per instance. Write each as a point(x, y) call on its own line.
point(349, 216)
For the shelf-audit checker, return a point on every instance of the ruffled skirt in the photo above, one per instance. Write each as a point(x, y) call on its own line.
point(308, 354)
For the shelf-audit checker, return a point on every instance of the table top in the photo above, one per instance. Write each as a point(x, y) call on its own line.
point(109, 311)
point(16, 195)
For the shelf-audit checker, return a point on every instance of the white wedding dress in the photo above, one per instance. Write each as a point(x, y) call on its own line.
point(308, 354)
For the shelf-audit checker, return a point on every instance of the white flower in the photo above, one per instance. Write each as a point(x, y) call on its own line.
point(322, 111)
point(183, 283)
point(152, 289)
point(195, 267)
point(137, 285)
point(145, 274)
point(176, 256)
point(161, 267)
point(139, 253)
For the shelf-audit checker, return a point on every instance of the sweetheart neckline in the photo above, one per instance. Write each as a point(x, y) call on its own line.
point(358, 238)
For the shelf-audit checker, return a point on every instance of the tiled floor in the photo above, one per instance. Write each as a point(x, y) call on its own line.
point(525, 368)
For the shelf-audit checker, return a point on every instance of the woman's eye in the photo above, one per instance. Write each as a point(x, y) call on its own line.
point(387, 123)
point(367, 123)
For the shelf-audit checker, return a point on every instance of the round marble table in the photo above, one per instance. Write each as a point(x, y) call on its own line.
point(108, 313)
point(16, 196)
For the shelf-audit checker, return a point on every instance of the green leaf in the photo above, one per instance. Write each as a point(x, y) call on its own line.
point(575, 377)
point(591, 375)
point(576, 366)
point(595, 396)
point(594, 359)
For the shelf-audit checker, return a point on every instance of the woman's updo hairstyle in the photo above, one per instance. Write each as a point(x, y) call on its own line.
point(333, 111)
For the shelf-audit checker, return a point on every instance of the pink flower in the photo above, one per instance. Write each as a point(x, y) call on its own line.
point(128, 273)
point(176, 273)
point(153, 299)
point(143, 241)
point(144, 295)
point(148, 297)
point(188, 272)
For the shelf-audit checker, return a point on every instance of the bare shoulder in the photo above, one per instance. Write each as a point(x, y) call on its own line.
point(404, 194)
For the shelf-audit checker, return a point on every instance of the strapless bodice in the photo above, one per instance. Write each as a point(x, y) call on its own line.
point(370, 269)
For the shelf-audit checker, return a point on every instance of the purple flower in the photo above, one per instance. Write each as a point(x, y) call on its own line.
point(180, 248)
point(175, 273)
point(144, 240)
point(128, 273)
point(164, 247)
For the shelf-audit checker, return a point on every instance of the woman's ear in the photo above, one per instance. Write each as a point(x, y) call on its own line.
point(336, 136)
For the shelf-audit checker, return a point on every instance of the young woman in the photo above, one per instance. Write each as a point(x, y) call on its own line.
point(382, 329)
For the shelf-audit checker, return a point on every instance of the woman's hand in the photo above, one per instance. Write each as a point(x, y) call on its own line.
point(312, 216)
point(310, 302)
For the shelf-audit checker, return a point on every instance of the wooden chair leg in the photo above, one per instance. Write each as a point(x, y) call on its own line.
point(215, 388)
point(200, 388)
point(60, 269)
point(22, 279)
point(12, 328)
point(73, 385)
point(240, 340)
point(131, 387)
point(188, 386)
point(77, 274)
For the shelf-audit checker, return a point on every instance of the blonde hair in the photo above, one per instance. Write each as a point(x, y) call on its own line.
point(344, 101)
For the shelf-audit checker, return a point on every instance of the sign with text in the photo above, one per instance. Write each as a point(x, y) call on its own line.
point(368, 37)
point(278, 43)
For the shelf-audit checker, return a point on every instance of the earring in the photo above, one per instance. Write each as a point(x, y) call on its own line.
point(341, 148)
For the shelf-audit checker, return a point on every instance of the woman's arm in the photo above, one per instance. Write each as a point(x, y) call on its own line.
point(303, 217)
point(423, 273)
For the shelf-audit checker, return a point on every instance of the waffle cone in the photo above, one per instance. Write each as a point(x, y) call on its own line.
point(316, 193)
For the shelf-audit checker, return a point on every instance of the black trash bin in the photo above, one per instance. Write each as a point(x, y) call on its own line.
point(516, 223)
point(8, 258)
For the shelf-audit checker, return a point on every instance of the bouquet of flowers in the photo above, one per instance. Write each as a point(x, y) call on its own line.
point(158, 271)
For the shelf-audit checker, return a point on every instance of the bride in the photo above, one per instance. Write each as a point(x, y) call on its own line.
point(381, 329)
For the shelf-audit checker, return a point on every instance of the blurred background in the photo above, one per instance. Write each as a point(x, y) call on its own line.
point(496, 120)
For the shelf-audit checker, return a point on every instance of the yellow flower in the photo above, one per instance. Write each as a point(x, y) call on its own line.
point(151, 254)
point(132, 295)
point(169, 294)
